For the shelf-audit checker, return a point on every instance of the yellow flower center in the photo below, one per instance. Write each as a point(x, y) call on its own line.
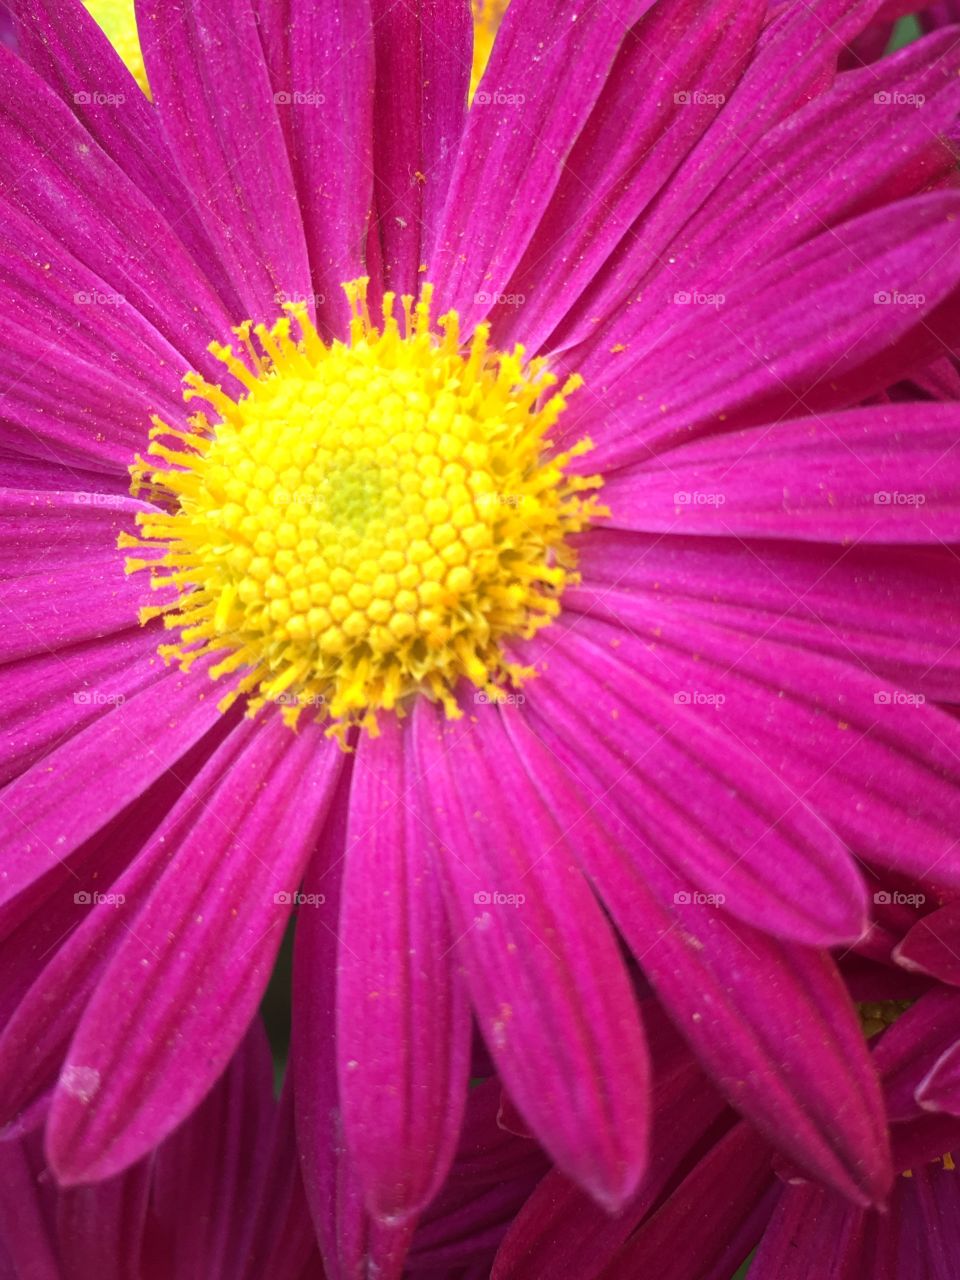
point(117, 21)
point(487, 16)
point(369, 520)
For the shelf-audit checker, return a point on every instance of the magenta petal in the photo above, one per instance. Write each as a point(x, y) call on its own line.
point(773, 1023)
point(813, 1233)
point(209, 1171)
point(46, 531)
point(880, 474)
point(909, 1051)
point(354, 1245)
point(670, 78)
point(939, 1090)
point(811, 328)
point(933, 945)
point(93, 600)
point(217, 107)
point(36, 1037)
point(100, 1227)
point(423, 57)
point(796, 179)
point(836, 729)
point(192, 973)
point(47, 699)
point(527, 113)
point(562, 1234)
point(64, 44)
point(321, 61)
point(53, 172)
point(403, 1024)
point(106, 367)
point(716, 1196)
point(27, 1220)
point(52, 809)
point(693, 799)
point(547, 984)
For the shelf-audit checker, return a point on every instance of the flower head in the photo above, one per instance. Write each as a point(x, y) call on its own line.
point(681, 696)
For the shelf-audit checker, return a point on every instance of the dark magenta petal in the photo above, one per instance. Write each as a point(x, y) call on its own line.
point(548, 987)
point(195, 968)
point(403, 1024)
point(217, 108)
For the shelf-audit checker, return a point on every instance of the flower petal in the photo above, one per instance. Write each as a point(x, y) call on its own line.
point(881, 474)
point(933, 945)
point(53, 172)
point(771, 1022)
point(321, 61)
point(216, 106)
point(693, 799)
point(63, 43)
point(354, 1245)
point(52, 809)
point(818, 328)
point(403, 1024)
point(573, 1060)
point(669, 80)
point(192, 973)
point(525, 117)
point(423, 58)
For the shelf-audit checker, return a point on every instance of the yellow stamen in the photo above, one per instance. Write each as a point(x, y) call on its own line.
point(117, 21)
point(366, 521)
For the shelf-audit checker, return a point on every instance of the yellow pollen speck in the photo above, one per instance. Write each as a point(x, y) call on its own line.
point(369, 520)
point(487, 16)
point(117, 21)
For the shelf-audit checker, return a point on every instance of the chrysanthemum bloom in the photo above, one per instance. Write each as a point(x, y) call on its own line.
point(221, 1199)
point(488, 651)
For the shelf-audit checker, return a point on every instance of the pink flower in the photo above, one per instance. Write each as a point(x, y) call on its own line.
point(685, 725)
